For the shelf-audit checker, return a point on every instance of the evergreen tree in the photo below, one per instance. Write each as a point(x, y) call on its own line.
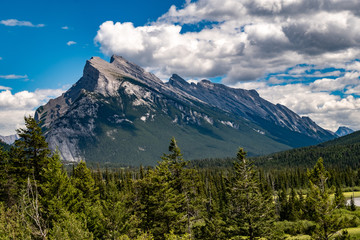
point(58, 193)
point(318, 201)
point(252, 212)
point(293, 206)
point(89, 204)
point(186, 182)
point(83, 181)
point(283, 205)
point(339, 198)
point(352, 204)
point(214, 225)
point(157, 205)
point(33, 148)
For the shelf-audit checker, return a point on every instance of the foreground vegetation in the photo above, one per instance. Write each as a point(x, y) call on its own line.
point(41, 200)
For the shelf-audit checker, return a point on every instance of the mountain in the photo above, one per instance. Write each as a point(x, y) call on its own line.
point(342, 152)
point(9, 139)
point(342, 131)
point(118, 112)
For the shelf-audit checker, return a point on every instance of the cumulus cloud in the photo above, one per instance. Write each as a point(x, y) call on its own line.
point(13, 76)
point(299, 53)
point(317, 99)
point(65, 27)
point(69, 43)
point(13, 107)
point(243, 40)
point(15, 22)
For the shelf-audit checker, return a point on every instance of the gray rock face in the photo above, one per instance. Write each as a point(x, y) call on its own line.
point(117, 106)
point(9, 139)
point(343, 131)
point(249, 105)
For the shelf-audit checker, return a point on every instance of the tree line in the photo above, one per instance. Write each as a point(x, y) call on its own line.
point(39, 199)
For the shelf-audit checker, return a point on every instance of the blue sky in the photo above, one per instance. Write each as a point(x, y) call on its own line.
point(42, 53)
point(301, 54)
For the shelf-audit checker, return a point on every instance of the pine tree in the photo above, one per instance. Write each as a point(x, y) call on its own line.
point(83, 180)
point(157, 205)
point(252, 212)
point(339, 198)
point(33, 148)
point(58, 193)
point(352, 204)
point(318, 201)
point(186, 182)
point(283, 205)
point(89, 203)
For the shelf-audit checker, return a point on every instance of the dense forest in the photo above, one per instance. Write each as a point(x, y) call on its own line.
point(40, 198)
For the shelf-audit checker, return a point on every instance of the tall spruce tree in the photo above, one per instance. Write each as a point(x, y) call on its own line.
point(251, 211)
point(33, 147)
point(320, 205)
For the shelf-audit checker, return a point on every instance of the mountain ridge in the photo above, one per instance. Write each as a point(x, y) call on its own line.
point(118, 103)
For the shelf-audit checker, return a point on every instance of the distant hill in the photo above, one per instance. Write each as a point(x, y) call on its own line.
point(341, 152)
point(352, 138)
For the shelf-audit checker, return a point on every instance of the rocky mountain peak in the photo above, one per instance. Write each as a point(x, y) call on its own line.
point(118, 103)
point(342, 131)
point(177, 81)
point(132, 70)
point(205, 83)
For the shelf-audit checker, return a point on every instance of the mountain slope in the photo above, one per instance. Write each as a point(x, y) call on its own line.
point(117, 112)
point(249, 105)
point(342, 152)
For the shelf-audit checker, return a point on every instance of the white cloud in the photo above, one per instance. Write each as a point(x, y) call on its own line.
point(5, 88)
point(315, 100)
point(15, 22)
point(13, 107)
point(13, 76)
point(69, 43)
point(248, 39)
point(1, 58)
point(65, 27)
point(245, 41)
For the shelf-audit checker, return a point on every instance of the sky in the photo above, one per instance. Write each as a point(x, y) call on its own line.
point(299, 53)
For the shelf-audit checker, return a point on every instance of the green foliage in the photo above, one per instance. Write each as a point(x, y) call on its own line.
point(170, 201)
point(339, 198)
point(69, 227)
point(340, 153)
point(352, 204)
point(319, 206)
point(11, 224)
point(84, 182)
point(296, 227)
point(251, 211)
point(33, 147)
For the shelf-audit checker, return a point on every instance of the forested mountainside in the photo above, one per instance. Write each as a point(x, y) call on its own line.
point(342, 152)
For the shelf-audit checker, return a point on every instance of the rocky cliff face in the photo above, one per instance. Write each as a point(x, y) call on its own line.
point(118, 112)
point(249, 105)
